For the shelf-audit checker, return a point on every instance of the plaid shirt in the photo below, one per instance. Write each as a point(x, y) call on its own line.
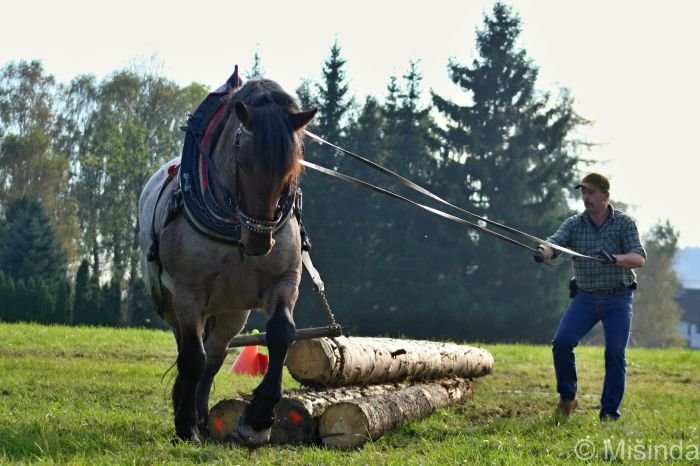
point(617, 235)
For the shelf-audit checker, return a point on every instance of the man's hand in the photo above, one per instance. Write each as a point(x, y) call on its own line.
point(538, 255)
point(607, 257)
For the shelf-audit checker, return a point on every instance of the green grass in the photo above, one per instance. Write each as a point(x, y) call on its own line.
point(101, 396)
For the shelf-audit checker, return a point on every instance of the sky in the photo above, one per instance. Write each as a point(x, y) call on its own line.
point(632, 67)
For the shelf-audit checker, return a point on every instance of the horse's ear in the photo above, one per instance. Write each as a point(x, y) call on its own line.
point(301, 119)
point(245, 115)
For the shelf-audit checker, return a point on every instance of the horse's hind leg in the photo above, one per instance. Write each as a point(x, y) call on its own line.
point(255, 423)
point(220, 329)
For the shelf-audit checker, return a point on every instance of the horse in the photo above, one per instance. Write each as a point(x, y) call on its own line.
point(204, 288)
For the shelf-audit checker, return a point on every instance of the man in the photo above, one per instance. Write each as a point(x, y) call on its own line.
point(601, 289)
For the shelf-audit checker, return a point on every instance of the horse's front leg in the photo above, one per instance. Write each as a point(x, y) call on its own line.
point(190, 365)
point(255, 423)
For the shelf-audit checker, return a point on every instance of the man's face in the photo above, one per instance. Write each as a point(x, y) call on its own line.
point(595, 201)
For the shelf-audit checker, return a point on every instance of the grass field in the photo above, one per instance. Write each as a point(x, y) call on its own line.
point(101, 396)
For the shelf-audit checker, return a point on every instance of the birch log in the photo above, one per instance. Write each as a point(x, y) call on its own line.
point(350, 424)
point(296, 414)
point(333, 362)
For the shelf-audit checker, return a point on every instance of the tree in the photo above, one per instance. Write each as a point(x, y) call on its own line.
point(30, 165)
point(83, 308)
point(62, 310)
point(134, 129)
point(6, 293)
point(332, 97)
point(144, 314)
point(75, 126)
point(257, 70)
point(326, 225)
point(509, 155)
point(656, 313)
point(110, 313)
point(30, 247)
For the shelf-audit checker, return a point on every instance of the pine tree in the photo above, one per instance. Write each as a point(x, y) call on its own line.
point(509, 155)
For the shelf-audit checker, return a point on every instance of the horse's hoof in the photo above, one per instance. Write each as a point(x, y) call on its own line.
point(250, 437)
point(190, 435)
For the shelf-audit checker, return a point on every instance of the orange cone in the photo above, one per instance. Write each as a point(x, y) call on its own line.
point(250, 362)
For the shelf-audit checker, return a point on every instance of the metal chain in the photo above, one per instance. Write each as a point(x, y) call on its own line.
point(327, 306)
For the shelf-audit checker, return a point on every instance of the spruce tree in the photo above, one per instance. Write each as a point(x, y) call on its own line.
point(333, 97)
point(30, 247)
point(509, 156)
point(325, 222)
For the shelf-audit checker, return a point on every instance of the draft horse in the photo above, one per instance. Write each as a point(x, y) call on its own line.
point(205, 288)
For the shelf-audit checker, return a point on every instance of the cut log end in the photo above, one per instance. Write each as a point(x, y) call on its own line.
point(314, 360)
point(345, 426)
point(223, 417)
point(293, 423)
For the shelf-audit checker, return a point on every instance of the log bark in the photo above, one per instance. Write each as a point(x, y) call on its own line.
point(349, 424)
point(333, 362)
point(296, 414)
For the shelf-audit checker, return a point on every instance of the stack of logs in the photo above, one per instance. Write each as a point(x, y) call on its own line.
point(360, 388)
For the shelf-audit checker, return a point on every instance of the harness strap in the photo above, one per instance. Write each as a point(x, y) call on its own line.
point(175, 206)
point(420, 189)
point(213, 175)
point(432, 210)
point(437, 212)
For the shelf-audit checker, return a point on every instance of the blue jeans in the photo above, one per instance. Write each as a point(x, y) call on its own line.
point(584, 311)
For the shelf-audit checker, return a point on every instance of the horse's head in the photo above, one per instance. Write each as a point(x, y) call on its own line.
point(261, 145)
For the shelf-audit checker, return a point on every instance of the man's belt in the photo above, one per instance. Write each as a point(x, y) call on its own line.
point(609, 291)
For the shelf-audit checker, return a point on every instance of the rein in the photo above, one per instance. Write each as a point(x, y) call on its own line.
point(439, 213)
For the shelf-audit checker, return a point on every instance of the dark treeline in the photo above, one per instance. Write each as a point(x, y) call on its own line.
point(73, 160)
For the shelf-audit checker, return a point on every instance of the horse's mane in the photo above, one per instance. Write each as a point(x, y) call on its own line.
point(274, 138)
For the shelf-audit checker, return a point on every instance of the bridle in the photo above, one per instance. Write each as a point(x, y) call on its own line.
point(233, 200)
